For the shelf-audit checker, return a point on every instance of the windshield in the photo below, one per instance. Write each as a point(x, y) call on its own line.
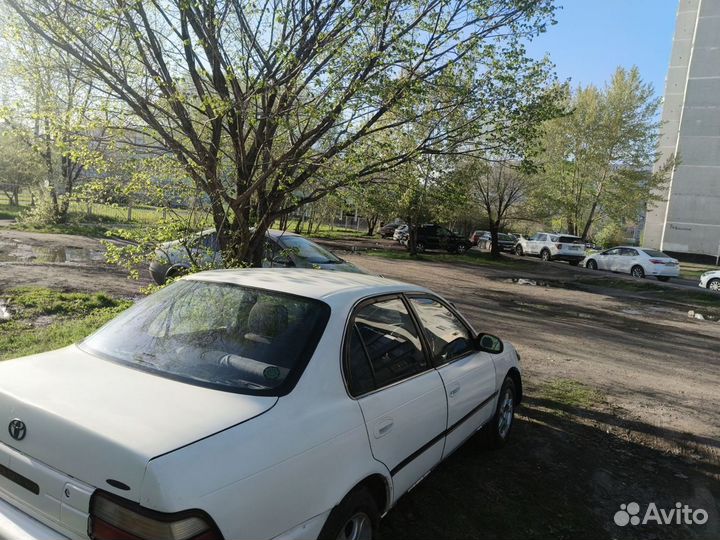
point(307, 250)
point(220, 335)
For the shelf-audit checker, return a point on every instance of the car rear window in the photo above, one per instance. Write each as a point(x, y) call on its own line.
point(571, 240)
point(656, 253)
point(224, 336)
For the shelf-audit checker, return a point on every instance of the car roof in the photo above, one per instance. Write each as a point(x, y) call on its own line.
point(327, 285)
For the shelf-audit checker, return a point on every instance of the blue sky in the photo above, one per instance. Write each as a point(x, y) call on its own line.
point(593, 37)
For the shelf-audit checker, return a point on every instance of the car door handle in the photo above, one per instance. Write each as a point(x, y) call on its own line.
point(383, 427)
point(454, 391)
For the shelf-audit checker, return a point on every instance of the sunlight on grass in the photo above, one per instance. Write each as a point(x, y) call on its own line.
point(44, 319)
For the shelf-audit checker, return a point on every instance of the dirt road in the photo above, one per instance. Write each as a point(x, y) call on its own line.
point(622, 400)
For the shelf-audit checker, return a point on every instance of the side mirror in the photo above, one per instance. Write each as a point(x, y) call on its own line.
point(489, 343)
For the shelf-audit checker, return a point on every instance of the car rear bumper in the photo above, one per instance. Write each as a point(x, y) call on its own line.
point(17, 525)
point(568, 258)
point(663, 271)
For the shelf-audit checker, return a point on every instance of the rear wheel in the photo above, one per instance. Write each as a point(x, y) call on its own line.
point(591, 264)
point(419, 247)
point(519, 250)
point(663, 278)
point(637, 272)
point(714, 284)
point(545, 255)
point(355, 518)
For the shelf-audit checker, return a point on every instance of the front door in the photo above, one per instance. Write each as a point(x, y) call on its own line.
point(401, 396)
point(468, 374)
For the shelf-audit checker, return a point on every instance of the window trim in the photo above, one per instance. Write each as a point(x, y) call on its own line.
point(350, 326)
point(426, 342)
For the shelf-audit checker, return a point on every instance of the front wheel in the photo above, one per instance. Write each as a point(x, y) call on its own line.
point(497, 432)
point(355, 518)
point(519, 250)
point(419, 247)
point(591, 264)
point(545, 255)
point(714, 284)
point(637, 272)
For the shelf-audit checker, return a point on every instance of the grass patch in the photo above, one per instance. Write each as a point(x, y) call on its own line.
point(694, 271)
point(475, 258)
point(94, 230)
point(73, 316)
point(569, 394)
point(9, 211)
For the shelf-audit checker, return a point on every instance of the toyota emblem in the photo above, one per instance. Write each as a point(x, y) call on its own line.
point(17, 429)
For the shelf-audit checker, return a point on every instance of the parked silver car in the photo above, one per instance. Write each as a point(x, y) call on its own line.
point(282, 249)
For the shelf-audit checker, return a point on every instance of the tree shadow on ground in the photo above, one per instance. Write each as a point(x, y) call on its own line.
point(564, 474)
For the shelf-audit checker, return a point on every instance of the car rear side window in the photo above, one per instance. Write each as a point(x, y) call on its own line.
point(448, 337)
point(384, 334)
point(571, 240)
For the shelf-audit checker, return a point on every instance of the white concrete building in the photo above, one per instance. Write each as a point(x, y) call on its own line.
point(688, 221)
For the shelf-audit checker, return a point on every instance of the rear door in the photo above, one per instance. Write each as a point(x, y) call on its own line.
point(401, 396)
point(467, 373)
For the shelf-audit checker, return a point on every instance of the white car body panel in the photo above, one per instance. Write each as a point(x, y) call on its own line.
point(403, 418)
point(94, 419)
point(622, 259)
point(707, 277)
point(540, 242)
point(469, 381)
point(261, 467)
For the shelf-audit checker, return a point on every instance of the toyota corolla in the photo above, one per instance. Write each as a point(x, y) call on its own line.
point(247, 405)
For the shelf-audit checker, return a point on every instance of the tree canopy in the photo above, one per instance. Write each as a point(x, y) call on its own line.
point(255, 99)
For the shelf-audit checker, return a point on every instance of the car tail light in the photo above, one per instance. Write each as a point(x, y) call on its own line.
point(113, 518)
point(657, 261)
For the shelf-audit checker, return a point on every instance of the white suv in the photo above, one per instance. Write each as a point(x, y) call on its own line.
point(553, 247)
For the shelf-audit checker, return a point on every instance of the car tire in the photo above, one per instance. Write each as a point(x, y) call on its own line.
point(356, 517)
point(663, 278)
point(519, 251)
point(545, 255)
point(419, 247)
point(714, 284)
point(637, 271)
point(497, 431)
point(591, 265)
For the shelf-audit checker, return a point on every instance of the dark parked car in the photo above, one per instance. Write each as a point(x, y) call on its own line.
point(431, 236)
point(506, 242)
point(388, 230)
point(282, 250)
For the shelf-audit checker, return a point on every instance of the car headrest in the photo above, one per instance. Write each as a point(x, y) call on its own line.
point(266, 321)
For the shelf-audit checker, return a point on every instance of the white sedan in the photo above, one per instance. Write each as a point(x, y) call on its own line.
point(269, 403)
point(710, 280)
point(636, 261)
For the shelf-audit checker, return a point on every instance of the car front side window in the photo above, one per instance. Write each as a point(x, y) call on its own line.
point(447, 336)
point(383, 346)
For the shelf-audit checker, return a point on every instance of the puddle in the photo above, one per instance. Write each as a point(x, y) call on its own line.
point(17, 252)
point(534, 282)
point(702, 316)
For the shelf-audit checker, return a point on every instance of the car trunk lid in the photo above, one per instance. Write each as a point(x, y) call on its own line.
point(96, 420)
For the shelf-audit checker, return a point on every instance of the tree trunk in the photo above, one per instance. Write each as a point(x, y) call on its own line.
point(371, 222)
point(494, 244)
